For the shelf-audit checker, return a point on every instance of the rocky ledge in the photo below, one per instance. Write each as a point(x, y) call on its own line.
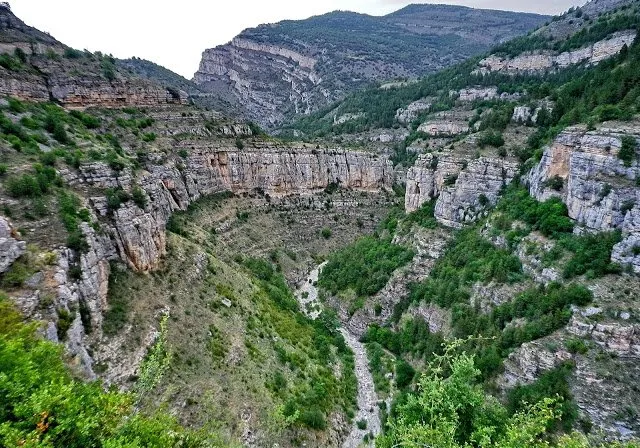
point(464, 190)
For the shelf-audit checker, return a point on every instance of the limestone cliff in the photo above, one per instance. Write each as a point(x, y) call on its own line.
point(463, 190)
point(545, 60)
point(139, 235)
point(600, 191)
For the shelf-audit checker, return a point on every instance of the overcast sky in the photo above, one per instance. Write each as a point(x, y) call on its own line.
point(174, 33)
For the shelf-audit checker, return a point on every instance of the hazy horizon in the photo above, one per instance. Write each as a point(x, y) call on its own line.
point(174, 35)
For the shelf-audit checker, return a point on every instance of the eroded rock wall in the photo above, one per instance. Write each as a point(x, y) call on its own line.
point(545, 61)
point(464, 190)
point(600, 191)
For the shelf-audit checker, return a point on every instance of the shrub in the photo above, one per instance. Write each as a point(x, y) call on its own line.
point(591, 254)
point(25, 186)
point(89, 121)
point(55, 126)
point(3, 169)
point(149, 137)
point(72, 53)
point(314, 419)
point(326, 233)
point(555, 183)
point(239, 144)
point(491, 138)
point(575, 345)
point(16, 106)
point(627, 151)
point(139, 197)
point(115, 198)
point(404, 373)
point(364, 266)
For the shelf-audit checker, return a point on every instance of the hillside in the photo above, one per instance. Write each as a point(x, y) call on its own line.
point(449, 262)
point(277, 71)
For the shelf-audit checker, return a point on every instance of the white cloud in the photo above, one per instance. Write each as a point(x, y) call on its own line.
point(174, 33)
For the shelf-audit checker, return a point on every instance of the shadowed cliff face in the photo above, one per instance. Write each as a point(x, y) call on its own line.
point(276, 72)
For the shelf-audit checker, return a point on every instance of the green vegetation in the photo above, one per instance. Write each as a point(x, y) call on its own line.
point(33, 185)
point(364, 267)
point(450, 409)
point(469, 258)
point(491, 138)
point(42, 404)
point(553, 383)
point(72, 215)
point(549, 218)
point(627, 151)
point(310, 402)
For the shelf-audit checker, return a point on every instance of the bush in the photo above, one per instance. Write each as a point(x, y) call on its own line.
point(55, 126)
point(491, 138)
point(3, 169)
point(89, 121)
point(364, 266)
point(404, 373)
point(116, 197)
point(326, 233)
point(549, 217)
point(33, 186)
point(550, 384)
point(44, 396)
point(149, 137)
point(627, 151)
point(591, 254)
point(314, 419)
point(139, 197)
point(16, 106)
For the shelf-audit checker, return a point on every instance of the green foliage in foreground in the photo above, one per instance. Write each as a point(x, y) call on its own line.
point(364, 266)
point(451, 410)
point(42, 405)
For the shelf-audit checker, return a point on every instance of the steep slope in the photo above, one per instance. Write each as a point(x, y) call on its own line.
point(36, 67)
point(278, 71)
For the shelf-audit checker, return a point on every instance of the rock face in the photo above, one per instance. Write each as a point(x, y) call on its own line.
point(48, 74)
point(599, 190)
point(411, 112)
point(140, 234)
point(277, 71)
point(10, 248)
point(545, 61)
point(464, 190)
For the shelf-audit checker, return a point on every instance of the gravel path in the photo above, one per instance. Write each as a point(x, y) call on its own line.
point(307, 296)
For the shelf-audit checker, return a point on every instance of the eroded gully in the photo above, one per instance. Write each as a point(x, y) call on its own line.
point(307, 295)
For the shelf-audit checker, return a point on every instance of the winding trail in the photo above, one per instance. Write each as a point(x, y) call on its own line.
point(307, 295)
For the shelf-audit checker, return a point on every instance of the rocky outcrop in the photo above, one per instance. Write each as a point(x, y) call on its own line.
point(407, 114)
point(545, 61)
point(464, 190)
point(10, 247)
point(475, 93)
point(528, 362)
point(599, 190)
point(139, 234)
point(444, 128)
point(86, 91)
point(621, 339)
point(46, 74)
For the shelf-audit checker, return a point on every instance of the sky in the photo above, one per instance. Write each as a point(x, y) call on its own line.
point(175, 33)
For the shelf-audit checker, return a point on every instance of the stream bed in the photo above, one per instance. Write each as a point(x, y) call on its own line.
point(307, 296)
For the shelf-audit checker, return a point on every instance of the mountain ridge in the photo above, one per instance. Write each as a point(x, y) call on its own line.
point(261, 68)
